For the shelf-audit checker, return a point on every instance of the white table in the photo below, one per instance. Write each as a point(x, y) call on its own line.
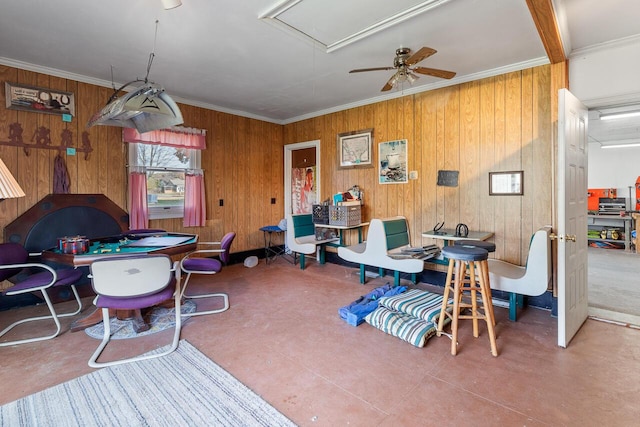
point(341, 228)
point(450, 235)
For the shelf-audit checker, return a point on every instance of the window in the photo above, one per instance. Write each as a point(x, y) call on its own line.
point(165, 168)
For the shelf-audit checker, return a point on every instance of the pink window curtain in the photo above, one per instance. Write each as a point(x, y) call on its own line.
point(195, 211)
point(138, 217)
point(174, 137)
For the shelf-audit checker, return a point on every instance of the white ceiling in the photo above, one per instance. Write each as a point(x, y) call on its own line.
point(220, 54)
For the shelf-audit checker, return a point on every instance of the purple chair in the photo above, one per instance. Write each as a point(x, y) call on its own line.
point(14, 259)
point(133, 283)
point(195, 263)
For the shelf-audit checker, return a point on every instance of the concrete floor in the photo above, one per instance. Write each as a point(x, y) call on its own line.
point(283, 338)
point(614, 285)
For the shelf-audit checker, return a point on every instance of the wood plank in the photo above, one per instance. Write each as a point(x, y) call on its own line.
point(451, 151)
point(487, 101)
point(544, 17)
point(499, 151)
point(428, 174)
point(527, 161)
point(470, 154)
point(408, 199)
point(512, 161)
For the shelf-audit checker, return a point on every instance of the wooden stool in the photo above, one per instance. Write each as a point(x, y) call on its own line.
point(489, 247)
point(471, 275)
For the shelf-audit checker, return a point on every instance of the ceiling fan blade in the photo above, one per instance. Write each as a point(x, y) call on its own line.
point(423, 53)
point(389, 84)
point(443, 74)
point(361, 70)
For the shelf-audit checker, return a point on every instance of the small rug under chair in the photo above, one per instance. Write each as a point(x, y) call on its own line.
point(158, 318)
point(184, 388)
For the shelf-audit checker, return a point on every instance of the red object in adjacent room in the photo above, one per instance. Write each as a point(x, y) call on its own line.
point(594, 195)
point(638, 194)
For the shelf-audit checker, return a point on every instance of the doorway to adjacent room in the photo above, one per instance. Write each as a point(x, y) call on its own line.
point(614, 163)
point(301, 176)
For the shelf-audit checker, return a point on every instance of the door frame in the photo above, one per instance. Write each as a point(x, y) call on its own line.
point(288, 150)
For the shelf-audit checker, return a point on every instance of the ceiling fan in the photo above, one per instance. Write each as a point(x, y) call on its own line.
point(404, 63)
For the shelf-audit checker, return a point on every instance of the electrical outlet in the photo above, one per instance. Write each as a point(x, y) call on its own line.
point(221, 202)
point(273, 200)
point(413, 174)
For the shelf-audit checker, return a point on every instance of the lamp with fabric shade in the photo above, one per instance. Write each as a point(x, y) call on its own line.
point(9, 187)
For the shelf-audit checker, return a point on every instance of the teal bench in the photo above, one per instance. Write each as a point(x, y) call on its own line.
point(386, 240)
point(301, 238)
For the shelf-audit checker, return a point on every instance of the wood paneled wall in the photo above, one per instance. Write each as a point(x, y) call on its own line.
point(501, 123)
point(243, 163)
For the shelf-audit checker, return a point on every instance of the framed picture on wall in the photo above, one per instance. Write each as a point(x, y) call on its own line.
point(38, 100)
point(392, 161)
point(510, 183)
point(354, 149)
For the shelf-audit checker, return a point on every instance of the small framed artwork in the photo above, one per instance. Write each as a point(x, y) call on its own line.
point(38, 100)
point(393, 162)
point(510, 183)
point(354, 149)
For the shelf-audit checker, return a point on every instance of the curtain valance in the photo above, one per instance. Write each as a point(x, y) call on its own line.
point(176, 136)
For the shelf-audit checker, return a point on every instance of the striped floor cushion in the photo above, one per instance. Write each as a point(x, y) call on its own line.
point(416, 303)
point(401, 325)
point(411, 316)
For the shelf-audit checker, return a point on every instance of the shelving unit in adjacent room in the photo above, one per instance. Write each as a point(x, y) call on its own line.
point(622, 224)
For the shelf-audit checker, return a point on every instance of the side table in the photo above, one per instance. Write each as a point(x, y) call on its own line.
point(341, 228)
point(271, 252)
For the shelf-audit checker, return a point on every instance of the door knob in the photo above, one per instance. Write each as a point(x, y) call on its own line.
point(568, 237)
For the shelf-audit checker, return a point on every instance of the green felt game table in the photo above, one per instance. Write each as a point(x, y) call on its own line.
point(118, 246)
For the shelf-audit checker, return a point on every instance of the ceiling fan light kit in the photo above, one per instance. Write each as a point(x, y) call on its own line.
point(171, 4)
point(404, 63)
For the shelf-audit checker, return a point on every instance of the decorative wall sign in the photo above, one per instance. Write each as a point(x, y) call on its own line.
point(42, 139)
point(38, 100)
point(448, 178)
point(393, 162)
point(354, 149)
point(509, 183)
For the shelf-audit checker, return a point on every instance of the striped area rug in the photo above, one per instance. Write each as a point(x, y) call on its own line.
point(184, 388)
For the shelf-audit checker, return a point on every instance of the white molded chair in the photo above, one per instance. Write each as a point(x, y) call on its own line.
point(133, 283)
point(196, 263)
point(532, 279)
point(301, 238)
point(385, 237)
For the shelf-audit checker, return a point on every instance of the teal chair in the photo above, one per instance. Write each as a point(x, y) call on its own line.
point(301, 238)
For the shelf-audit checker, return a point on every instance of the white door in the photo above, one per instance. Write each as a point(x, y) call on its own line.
point(572, 216)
